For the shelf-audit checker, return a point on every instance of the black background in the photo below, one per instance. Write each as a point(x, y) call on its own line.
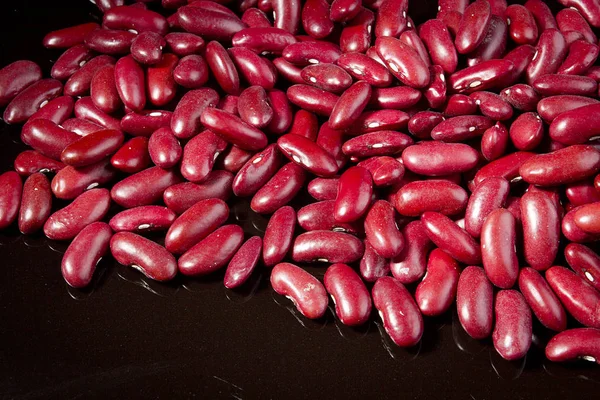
point(128, 337)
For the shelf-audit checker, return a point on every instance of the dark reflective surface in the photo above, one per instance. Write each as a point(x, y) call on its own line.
point(129, 337)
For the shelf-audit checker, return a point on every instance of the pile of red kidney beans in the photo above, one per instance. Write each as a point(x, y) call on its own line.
point(458, 155)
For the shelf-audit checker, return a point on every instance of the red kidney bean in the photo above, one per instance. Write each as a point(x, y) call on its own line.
point(350, 105)
point(521, 24)
point(147, 47)
point(80, 81)
point(103, 90)
point(372, 265)
point(512, 332)
point(10, 198)
point(186, 117)
point(344, 10)
point(380, 143)
point(451, 238)
point(326, 76)
point(507, 167)
point(542, 300)
point(483, 76)
point(391, 18)
point(143, 219)
point(412, 40)
point(579, 298)
point(582, 55)
point(494, 142)
point(460, 104)
point(381, 230)
point(372, 121)
point(350, 295)
point(148, 257)
point(313, 52)
point(417, 197)
point(438, 158)
point(92, 148)
point(580, 193)
point(572, 232)
point(199, 155)
point(305, 291)
point(35, 203)
point(551, 51)
point(435, 294)
point(160, 84)
point(108, 41)
point(183, 43)
point(255, 18)
point(574, 343)
point(257, 171)
point(16, 77)
point(129, 79)
point(498, 248)
point(320, 216)
point(542, 14)
point(233, 129)
point(137, 19)
point(354, 194)
point(323, 188)
point(85, 109)
point(312, 99)
point(209, 23)
point(80, 126)
point(445, 6)
point(287, 14)
point(576, 126)
point(29, 162)
point(522, 97)
point(47, 138)
point(212, 5)
point(56, 110)
point(586, 218)
point(569, 19)
point(563, 166)
point(493, 44)
point(278, 236)
point(410, 264)
point(386, 171)
point(403, 62)
point(229, 104)
point(422, 123)
point(191, 72)
point(551, 107)
point(143, 188)
point(212, 252)
point(521, 57)
point(551, 85)
point(222, 67)
point(356, 34)
point(132, 157)
point(84, 253)
point(70, 182)
point(492, 105)
point(307, 154)
point(263, 39)
point(474, 302)
point(315, 18)
point(243, 263)
point(67, 37)
point(488, 196)
point(30, 99)
point(332, 141)
point(87, 208)
point(401, 317)
point(70, 61)
point(585, 262)
point(473, 26)
point(288, 70)
point(461, 128)
point(282, 112)
point(541, 229)
point(363, 67)
point(181, 196)
point(279, 190)
point(451, 19)
point(327, 246)
point(164, 148)
point(439, 43)
point(254, 107)
point(305, 124)
point(527, 131)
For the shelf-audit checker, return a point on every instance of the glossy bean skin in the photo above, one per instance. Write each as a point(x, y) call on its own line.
point(436, 293)
point(461, 128)
point(380, 143)
point(16, 77)
point(312, 99)
point(186, 121)
point(147, 47)
point(350, 105)
point(191, 72)
point(475, 302)
point(10, 198)
point(443, 196)
point(351, 298)
point(570, 19)
point(356, 34)
point(401, 317)
point(381, 230)
point(305, 124)
point(512, 332)
point(92, 148)
point(233, 129)
point(133, 156)
point(498, 248)
point(257, 171)
point(305, 291)
point(550, 108)
point(140, 20)
point(87, 208)
point(573, 232)
point(372, 265)
point(354, 194)
point(488, 196)
point(579, 298)
point(560, 84)
point(315, 19)
point(451, 238)
point(403, 62)
point(81, 126)
point(586, 218)
point(522, 27)
point(385, 170)
point(143, 188)
point(110, 41)
point(551, 51)
point(494, 142)
point(263, 39)
point(47, 138)
point(282, 112)
point(542, 14)
point(541, 229)
point(521, 96)
point(160, 84)
point(148, 257)
point(70, 61)
point(391, 18)
point(208, 23)
point(493, 45)
point(29, 100)
point(573, 344)
point(563, 166)
point(372, 121)
point(183, 43)
point(70, 182)
point(506, 167)
point(29, 162)
point(576, 126)
point(130, 82)
point(164, 148)
point(212, 252)
point(483, 76)
point(585, 262)
point(313, 52)
point(436, 37)
point(222, 68)
point(199, 155)
point(521, 57)
point(332, 141)
point(364, 68)
point(410, 264)
point(143, 219)
point(278, 236)
point(422, 123)
point(56, 110)
point(322, 189)
point(527, 131)
point(242, 264)
point(319, 216)
point(85, 109)
point(473, 26)
point(438, 159)
point(580, 193)
point(80, 81)
point(103, 90)
point(327, 246)
point(542, 300)
point(254, 107)
point(327, 76)
point(35, 202)
point(492, 105)
point(279, 190)
point(460, 104)
point(182, 196)
point(308, 155)
point(582, 55)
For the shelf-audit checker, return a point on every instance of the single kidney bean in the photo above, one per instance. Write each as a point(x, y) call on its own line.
point(380, 143)
point(542, 300)
point(84, 253)
point(212, 252)
point(438, 158)
point(209, 23)
point(443, 196)
point(522, 97)
point(191, 72)
point(437, 290)
point(567, 165)
point(332, 141)
point(580, 193)
point(527, 131)
point(365, 68)
point(410, 264)
point(577, 125)
point(278, 236)
point(257, 171)
point(372, 265)
point(436, 37)
point(551, 51)
point(233, 129)
point(350, 105)
point(147, 47)
point(344, 10)
point(506, 167)
point(354, 194)
point(288, 70)
point(56, 110)
point(585, 262)
point(385, 170)
point(143, 219)
point(579, 298)
point(282, 112)
point(80, 81)
point(327, 76)
point(586, 218)
point(412, 40)
point(133, 156)
point(164, 148)
point(541, 229)
point(305, 124)
point(243, 263)
point(29, 162)
point(86, 110)
point(137, 19)
point(483, 76)
point(263, 39)
point(521, 24)
point(403, 62)
point(574, 233)
point(222, 67)
point(575, 343)
point(351, 298)
point(16, 77)
point(492, 105)
point(451, 238)
point(30, 99)
point(181, 196)
point(87, 208)
point(356, 34)
point(70, 182)
point(279, 190)
point(542, 14)
point(381, 230)
point(199, 155)
point(401, 317)
point(305, 291)
point(521, 57)
point(254, 107)
point(143, 188)
point(512, 333)
point(146, 256)
point(498, 248)
point(327, 246)
point(313, 52)
point(186, 117)
point(582, 55)
point(488, 196)
point(184, 44)
point(10, 198)
point(36, 202)
point(47, 138)
point(493, 44)
point(312, 99)
point(130, 82)
point(109, 41)
point(422, 123)
point(308, 155)
point(460, 104)
point(555, 84)
point(391, 18)
point(160, 84)
point(397, 97)
point(320, 216)
point(473, 26)
point(287, 14)
point(70, 61)
point(372, 121)
point(551, 107)
point(315, 19)
point(461, 128)
point(323, 188)
point(569, 19)
point(494, 141)
point(92, 148)
point(474, 302)
point(103, 90)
